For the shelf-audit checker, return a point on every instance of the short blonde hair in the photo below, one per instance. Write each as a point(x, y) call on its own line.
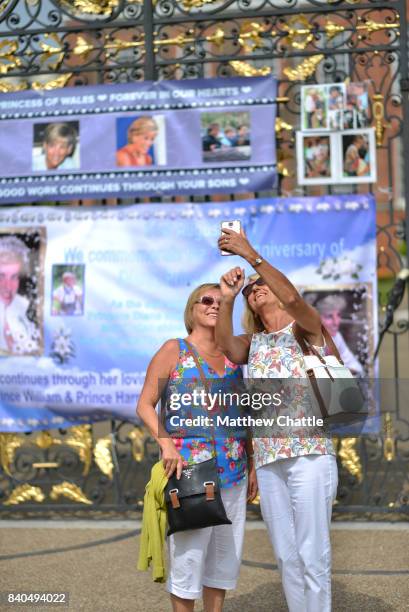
point(191, 301)
point(141, 125)
point(250, 321)
point(55, 131)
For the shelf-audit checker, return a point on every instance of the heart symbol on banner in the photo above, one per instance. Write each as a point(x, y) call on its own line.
point(102, 97)
point(244, 181)
point(246, 89)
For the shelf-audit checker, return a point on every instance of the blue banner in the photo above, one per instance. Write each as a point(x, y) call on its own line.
point(147, 138)
point(95, 292)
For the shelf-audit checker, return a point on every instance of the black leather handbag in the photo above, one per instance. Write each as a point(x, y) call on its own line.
point(194, 501)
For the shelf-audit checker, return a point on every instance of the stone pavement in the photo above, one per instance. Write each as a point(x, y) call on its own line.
point(95, 562)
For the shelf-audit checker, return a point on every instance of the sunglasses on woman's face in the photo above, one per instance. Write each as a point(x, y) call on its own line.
point(249, 288)
point(208, 300)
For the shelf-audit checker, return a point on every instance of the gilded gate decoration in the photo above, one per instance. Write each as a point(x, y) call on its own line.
point(55, 43)
point(106, 470)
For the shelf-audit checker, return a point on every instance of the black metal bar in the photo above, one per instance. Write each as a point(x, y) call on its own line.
point(404, 66)
point(150, 67)
point(123, 25)
point(116, 470)
point(273, 12)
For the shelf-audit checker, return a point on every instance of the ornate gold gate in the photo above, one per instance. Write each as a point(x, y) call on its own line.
point(55, 43)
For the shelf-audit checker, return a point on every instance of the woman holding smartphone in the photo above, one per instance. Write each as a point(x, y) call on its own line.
point(203, 562)
point(297, 476)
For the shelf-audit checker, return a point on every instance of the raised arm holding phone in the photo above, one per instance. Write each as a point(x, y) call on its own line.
point(297, 477)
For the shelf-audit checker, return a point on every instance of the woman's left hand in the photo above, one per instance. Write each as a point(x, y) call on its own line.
point(235, 243)
point(252, 486)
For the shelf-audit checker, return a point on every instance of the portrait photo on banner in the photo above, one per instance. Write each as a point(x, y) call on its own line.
point(67, 290)
point(141, 141)
point(22, 253)
point(225, 136)
point(346, 310)
point(56, 146)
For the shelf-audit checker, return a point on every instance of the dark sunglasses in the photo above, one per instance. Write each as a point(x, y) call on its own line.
point(207, 300)
point(249, 288)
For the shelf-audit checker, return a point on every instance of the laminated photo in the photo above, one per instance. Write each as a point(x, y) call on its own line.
point(314, 107)
point(315, 163)
point(358, 154)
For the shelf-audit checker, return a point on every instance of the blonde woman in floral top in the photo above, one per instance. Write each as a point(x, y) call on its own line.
point(297, 474)
point(203, 562)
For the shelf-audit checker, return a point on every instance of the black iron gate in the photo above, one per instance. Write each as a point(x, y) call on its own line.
point(55, 43)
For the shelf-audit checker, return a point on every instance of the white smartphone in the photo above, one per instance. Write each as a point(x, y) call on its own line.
point(231, 225)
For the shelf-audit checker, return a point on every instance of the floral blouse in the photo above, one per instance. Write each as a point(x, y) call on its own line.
point(199, 443)
point(278, 355)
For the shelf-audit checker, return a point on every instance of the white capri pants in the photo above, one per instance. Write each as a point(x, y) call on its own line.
point(211, 556)
point(296, 498)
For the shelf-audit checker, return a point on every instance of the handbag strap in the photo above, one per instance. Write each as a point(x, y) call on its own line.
point(205, 384)
point(198, 365)
point(308, 349)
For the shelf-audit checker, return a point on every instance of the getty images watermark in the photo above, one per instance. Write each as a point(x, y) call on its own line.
point(246, 401)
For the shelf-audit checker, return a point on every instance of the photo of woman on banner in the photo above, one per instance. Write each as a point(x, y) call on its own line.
point(297, 476)
point(344, 313)
point(141, 146)
point(19, 329)
point(56, 146)
point(203, 561)
point(68, 293)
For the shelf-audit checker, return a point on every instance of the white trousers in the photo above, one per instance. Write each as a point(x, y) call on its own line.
point(211, 556)
point(296, 498)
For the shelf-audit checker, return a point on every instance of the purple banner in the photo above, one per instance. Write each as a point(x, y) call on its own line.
point(190, 137)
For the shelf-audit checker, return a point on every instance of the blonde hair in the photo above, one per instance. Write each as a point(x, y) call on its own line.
point(191, 301)
point(141, 125)
point(250, 321)
point(54, 131)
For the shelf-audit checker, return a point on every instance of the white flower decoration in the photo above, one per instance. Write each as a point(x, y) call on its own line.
point(62, 348)
point(334, 268)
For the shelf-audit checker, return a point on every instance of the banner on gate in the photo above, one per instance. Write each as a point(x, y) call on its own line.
point(97, 291)
point(141, 139)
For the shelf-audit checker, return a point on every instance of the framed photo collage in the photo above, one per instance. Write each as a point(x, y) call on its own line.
point(335, 144)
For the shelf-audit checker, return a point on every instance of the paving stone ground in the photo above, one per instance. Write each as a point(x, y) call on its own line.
point(97, 567)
